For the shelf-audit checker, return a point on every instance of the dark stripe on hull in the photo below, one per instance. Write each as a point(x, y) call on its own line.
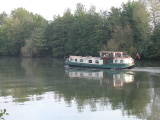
point(106, 66)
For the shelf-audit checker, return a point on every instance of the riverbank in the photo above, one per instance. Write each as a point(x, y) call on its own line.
point(139, 63)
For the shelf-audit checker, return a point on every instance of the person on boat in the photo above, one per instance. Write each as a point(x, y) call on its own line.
point(138, 56)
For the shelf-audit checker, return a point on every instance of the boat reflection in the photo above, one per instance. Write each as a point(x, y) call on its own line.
point(85, 74)
point(122, 78)
point(118, 78)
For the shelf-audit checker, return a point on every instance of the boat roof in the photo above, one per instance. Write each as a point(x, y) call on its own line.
point(83, 57)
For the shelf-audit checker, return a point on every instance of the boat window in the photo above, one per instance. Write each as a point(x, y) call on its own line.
point(125, 55)
point(97, 61)
point(110, 55)
point(81, 60)
point(81, 74)
point(121, 61)
point(90, 61)
point(105, 55)
point(116, 61)
point(71, 59)
point(75, 60)
point(117, 54)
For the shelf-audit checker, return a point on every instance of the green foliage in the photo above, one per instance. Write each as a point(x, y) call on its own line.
point(78, 34)
point(2, 114)
point(84, 32)
point(16, 29)
point(152, 50)
point(130, 26)
point(154, 8)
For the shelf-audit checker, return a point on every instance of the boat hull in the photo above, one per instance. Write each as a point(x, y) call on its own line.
point(104, 66)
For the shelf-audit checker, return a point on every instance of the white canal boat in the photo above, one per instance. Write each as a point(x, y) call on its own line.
point(106, 60)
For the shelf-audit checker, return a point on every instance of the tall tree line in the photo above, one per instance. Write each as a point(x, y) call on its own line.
point(134, 27)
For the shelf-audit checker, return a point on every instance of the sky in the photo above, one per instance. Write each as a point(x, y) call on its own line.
point(49, 8)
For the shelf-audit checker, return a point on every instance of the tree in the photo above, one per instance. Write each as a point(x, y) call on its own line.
point(152, 50)
point(129, 27)
point(36, 45)
point(154, 8)
point(81, 33)
point(137, 16)
point(122, 40)
point(17, 28)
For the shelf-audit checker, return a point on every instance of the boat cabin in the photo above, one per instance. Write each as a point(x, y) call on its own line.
point(115, 57)
point(87, 59)
point(111, 54)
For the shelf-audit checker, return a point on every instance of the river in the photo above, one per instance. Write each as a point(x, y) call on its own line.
point(43, 89)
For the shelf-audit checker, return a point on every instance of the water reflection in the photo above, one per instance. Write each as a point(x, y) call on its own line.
point(118, 78)
point(133, 92)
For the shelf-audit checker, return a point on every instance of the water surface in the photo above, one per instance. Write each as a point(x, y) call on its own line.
point(42, 89)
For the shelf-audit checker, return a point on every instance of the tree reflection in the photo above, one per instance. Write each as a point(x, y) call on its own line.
point(135, 93)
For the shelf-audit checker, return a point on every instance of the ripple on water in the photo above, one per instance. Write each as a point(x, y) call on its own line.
point(147, 69)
